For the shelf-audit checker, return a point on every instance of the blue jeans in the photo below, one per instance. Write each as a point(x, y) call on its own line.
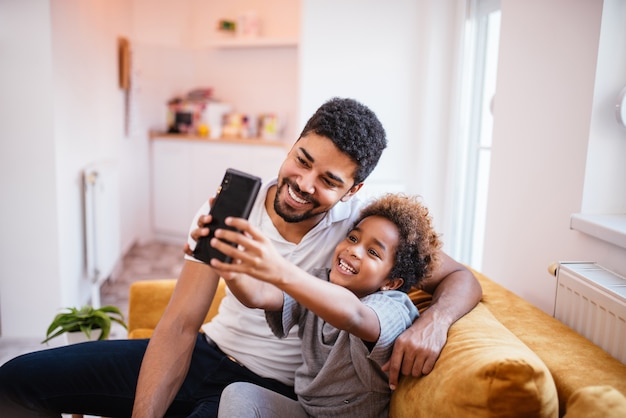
point(99, 378)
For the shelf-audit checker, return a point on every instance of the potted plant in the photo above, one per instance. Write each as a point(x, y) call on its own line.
point(86, 320)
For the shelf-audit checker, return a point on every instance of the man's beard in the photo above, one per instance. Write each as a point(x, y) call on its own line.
point(285, 212)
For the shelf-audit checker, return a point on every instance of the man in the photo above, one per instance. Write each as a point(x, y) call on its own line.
point(179, 372)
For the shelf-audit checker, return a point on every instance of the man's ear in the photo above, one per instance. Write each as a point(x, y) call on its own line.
point(351, 192)
point(393, 284)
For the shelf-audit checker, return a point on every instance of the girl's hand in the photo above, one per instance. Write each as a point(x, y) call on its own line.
point(254, 255)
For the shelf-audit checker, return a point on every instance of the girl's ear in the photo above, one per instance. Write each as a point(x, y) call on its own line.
point(392, 284)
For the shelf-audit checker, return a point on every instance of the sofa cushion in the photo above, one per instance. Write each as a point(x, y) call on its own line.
point(483, 371)
point(596, 402)
point(558, 346)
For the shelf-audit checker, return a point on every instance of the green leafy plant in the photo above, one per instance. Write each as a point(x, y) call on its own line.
point(85, 320)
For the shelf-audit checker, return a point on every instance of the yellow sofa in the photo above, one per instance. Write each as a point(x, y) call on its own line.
point(505, 358)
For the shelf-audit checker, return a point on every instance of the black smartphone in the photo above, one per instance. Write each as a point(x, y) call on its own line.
point(234, 197)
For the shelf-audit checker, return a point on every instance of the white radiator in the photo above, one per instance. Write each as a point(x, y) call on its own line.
point(592, 301)
point(101, 205)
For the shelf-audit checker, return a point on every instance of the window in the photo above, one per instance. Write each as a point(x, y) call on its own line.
point(603, 212)
point(473, 150)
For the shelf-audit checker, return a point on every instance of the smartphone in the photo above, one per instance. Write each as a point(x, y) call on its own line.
point(234, 197)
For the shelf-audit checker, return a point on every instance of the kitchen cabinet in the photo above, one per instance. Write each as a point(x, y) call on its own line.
point(186, 171)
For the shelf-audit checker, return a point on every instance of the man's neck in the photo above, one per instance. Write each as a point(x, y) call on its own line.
point(291, 231)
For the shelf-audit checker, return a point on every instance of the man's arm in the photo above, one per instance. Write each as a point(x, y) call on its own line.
point(455, 292)
point(168, 355)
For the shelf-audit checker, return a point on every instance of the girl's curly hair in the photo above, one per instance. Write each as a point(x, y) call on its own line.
point(416, 254)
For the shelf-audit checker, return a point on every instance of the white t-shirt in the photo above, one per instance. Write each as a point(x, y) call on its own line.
point(243, 332)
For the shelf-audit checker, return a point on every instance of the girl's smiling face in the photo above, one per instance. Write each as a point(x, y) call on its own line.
point(364, 259)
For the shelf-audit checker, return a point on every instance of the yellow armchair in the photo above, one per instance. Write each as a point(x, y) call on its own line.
point(147, 301)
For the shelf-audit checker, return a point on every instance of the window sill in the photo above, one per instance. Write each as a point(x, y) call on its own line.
point(609, 228)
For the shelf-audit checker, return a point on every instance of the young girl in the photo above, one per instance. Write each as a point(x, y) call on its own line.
point(348, 321)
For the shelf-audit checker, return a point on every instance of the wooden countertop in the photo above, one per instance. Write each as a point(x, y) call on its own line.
point(247, 141)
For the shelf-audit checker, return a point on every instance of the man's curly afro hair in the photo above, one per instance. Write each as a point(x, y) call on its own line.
point(416, 254)
point(354, 129)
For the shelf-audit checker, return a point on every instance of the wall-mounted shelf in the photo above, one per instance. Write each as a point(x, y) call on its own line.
point(238, 43)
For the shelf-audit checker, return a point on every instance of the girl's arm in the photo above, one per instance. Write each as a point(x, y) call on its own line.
point(256, 256)
point(254, 293)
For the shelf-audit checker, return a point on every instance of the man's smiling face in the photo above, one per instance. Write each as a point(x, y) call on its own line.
point(313, 178)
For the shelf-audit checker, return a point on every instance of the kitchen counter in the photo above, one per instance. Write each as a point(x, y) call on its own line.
point(226, 140)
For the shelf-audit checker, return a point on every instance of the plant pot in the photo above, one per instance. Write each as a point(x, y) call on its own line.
point(80, 337)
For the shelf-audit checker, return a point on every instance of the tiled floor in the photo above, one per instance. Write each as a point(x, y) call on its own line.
point(154, 260)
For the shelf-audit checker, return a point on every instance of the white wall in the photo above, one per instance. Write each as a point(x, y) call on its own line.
point(30, 279)
point(62, 110)
point(545, 87)
point(398, 58)
point(174, 44)
point(364, 50)
point(252, 80)
point(88, 115)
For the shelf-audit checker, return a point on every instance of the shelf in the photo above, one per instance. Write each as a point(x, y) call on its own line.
point(246, 141)
point(239, 43)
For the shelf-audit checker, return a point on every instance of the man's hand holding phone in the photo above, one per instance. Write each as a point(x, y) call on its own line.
point(235, 197)
point(200, 231)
